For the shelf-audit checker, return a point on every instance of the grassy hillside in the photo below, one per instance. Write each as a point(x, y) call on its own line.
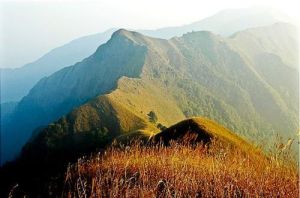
point(197, 145)
point(199, 129)
point(198, 74)
point(179, 171)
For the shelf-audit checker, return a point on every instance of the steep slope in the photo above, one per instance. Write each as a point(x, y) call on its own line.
point(272, 52)
point(280, 39)
point(6, 109)
point(16, 83)
point(57, 94)
point(197, 74)
point(97, 123)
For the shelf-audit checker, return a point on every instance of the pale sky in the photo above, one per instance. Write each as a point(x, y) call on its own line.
point(29, 29)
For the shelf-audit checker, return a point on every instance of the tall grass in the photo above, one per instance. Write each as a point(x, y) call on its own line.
point(182, 170)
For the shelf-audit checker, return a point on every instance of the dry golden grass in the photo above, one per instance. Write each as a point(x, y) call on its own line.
point(182, 171)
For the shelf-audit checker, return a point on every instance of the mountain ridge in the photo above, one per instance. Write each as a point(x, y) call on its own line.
point(197, 74)
point(80, 48)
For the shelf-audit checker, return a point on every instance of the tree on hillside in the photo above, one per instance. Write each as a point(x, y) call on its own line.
point(161, 127)
point(152, 117)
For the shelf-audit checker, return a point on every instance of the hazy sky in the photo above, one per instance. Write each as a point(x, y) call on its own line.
point(29, 29)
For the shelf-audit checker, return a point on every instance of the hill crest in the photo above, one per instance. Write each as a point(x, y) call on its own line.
point(201, 129)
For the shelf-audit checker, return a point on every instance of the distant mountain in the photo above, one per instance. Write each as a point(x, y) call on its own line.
point(144, 84)
point(225, 22)
point(6, 109)
point(16, 83)
point(282, 42)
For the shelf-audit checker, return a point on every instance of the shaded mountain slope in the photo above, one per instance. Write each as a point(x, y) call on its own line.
point(17, 82)
point(197, 74)
point(57, 94)
point(122, 112)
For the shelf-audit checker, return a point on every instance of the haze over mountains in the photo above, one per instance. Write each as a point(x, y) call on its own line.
point(16, 83)
point(200, 73)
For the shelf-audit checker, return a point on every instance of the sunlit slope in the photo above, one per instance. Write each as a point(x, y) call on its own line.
point(272, 52)
point(210, 76)
point(198, 74)
point(279, 39)
point(121, 113)
point(200, 129)
point(56, 95)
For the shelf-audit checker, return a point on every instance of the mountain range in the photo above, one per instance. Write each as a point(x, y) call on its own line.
point(16, 83)
point(135, 85)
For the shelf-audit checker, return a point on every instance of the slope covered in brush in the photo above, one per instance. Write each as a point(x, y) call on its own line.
point(59, 93)
point(136, 86)
point(56, 146)
point(199, 129)
point(182, 171)
point(197, 74)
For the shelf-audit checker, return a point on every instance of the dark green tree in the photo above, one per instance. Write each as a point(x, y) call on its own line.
point(152, 117)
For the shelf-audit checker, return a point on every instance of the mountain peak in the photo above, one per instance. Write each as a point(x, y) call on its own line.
point(121, 31)
point(133, 36)
point(126, 33)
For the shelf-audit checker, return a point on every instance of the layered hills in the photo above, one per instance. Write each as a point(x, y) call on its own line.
point(16, 83)
point(135, 77)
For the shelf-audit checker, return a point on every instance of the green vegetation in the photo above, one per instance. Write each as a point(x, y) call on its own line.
point(199, 74)
point(199, 129)
point(152, 117)
point(141, 85)
point(160, 126)
point(198, 150)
